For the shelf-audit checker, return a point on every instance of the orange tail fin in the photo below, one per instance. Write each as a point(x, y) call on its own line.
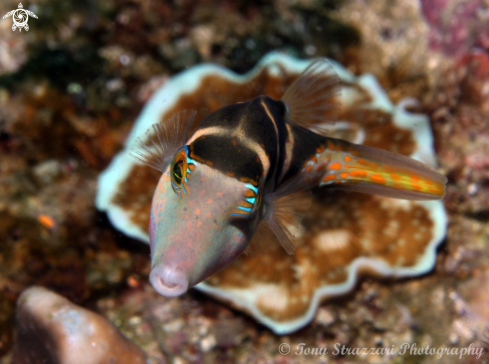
point(370, 170)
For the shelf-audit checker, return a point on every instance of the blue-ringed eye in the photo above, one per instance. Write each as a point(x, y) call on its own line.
point(177, 171)
point(180, 168)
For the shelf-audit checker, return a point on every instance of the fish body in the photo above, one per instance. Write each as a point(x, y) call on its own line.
point(246, 168)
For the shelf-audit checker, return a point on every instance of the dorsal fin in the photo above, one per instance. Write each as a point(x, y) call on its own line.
point(313, 98)
point(162, 140)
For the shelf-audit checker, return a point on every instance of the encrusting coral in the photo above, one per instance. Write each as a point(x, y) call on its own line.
point(51, 329)
point(343, 236)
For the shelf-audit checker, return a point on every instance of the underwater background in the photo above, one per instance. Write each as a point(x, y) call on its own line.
point(71, 88)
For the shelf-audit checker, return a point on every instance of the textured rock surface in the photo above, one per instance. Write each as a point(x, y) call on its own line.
point(51, 329)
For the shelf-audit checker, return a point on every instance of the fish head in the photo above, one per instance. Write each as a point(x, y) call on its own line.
point(199, 223)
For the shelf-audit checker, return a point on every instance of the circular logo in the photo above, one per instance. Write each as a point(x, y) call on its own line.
point(20, 18)
point(284, 348)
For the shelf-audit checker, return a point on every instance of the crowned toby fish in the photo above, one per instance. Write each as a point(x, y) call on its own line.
point(243, 173)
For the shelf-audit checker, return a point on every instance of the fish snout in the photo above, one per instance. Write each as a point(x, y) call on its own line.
point(168, 281)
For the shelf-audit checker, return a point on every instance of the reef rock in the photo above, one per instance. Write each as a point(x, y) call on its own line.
point(52, 330)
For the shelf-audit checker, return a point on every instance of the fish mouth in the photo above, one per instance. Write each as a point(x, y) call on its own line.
point(168, 281)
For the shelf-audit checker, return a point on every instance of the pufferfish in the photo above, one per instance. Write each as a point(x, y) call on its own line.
point(238, 180)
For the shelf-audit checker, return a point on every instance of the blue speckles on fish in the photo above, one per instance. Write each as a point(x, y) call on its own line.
point(246, 167)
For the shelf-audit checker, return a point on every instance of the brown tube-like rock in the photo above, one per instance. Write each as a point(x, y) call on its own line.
point(52, 330)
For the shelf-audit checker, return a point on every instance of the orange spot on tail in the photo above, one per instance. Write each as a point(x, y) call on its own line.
point(335, 165)
point(395, 177)
point(344, 175)
point(364, 162)
point(359, 174)
point(377, 178)
point(329, 178)
point(347, 158)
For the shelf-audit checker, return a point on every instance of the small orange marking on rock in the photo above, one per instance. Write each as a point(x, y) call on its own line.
point(197, 211)
point(329, 178)
point(199, 223)
point(335, 165)
point(344, 175)
point(133, 282)
point(46, 221)
point(377, 178)
point(202, 192)
point(202, 179)
point(209, 200)
point(234, 142)
point(219, 194)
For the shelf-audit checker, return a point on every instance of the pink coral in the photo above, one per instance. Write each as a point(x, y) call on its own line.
point(456, 26)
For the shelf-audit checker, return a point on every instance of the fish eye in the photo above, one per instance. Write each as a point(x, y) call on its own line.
point(181, 167)
point(177, 172)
